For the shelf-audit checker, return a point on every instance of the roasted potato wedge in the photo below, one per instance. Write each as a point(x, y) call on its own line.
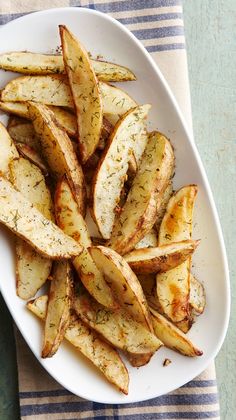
point(123, 282)
point(23, 219)
point(148, 241)
point(163, 258)
point(58, 151)
point(55, 90)
point(22, 131)
point(173, 287)
point(32, 63)
point(85, 92)
point(72, 223)
point(197, 298)
point(117, 327)
point(32, 269)
point(8, 151)
point(165, 200)
point(58, 309)
point(89, 343)
point(145, 196)
point(16, 108)
point(34, 157)
point(110, 175)
point(148, 283)
point(172, 337)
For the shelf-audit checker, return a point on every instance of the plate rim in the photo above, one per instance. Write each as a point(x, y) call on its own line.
point(195, 152)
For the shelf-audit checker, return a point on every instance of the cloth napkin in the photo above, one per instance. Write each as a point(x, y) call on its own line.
point(159, 26)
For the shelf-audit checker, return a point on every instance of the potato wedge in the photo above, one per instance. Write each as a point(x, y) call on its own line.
point(165, 200)
point(8, 151)
point(23, 219)
point(145, 196)
point(173, 287)
point(16, 108)
point(85, 92)
point(55, 90)
point(110, 175)
point(22, 131)
point(32, 63)
point(58, 151)
point(148, 241)
point(123, 282)
point(34, 157)
point(197, 298)
point(172, 337)
point(117, 327)
point(32, 269)
point(159, 259)
point(89, 343)
point(148, 283)
point(58, 309)
point(72, 223)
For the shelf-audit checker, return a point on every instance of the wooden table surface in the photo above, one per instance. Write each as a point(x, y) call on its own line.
point(210, 27)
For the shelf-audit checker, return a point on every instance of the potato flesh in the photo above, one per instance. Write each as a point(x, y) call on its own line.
point(8, 151)
point(140, 210)
point(32, 63)
point(117, 327)
point(123, 282)
point(34, 157)
point(72, 223)
point(85, 92)
point(110, 175)
point(19, 215)
point(160, 259)
point(197, 298)
point(172, 337)
point(173, 287)
point(55, 90)
point(101, 354)
point(149, 240)
point(32, 269)
point(58, 151)
point(58, 309)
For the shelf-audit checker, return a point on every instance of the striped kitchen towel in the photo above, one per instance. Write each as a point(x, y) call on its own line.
point(159, 26)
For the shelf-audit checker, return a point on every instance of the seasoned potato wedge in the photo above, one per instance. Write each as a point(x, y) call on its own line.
point(197, 298)
point(165, 199)
point(89, 343)
point(117, 327)
point(16, 108)
point(32, 63)
point(58, 309)
point(123, 282)
point(22, 131)
point(172, 337)
point(148, 241)
point(110, 175)
point(8, 150)
point(23, 219)
point(173, 287)
point(32, 269)
point(72, 223)
point(163, 258)
point(148, 283)
point(85, 92)
point(145, 196)
point(55, 90)
point(31, 154)
point(58, 151)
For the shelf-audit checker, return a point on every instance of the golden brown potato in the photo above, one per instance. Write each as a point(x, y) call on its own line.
point(159, 259)
point(85, 92)
point(72, 223)
point(123, 282)
point(197, 298)
point(8, 151)
point(23, 219)
point(173, 287)
point(89, 343)
point(110, 174)
point(58, 309)
point(145, 196)
point(34, 157)
point(58, 151)
point(172, 337)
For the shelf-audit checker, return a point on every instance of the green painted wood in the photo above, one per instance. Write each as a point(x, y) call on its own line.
point(210, 32)
point(210, 27)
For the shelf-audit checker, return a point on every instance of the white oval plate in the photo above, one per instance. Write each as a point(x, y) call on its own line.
point(103, 35)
